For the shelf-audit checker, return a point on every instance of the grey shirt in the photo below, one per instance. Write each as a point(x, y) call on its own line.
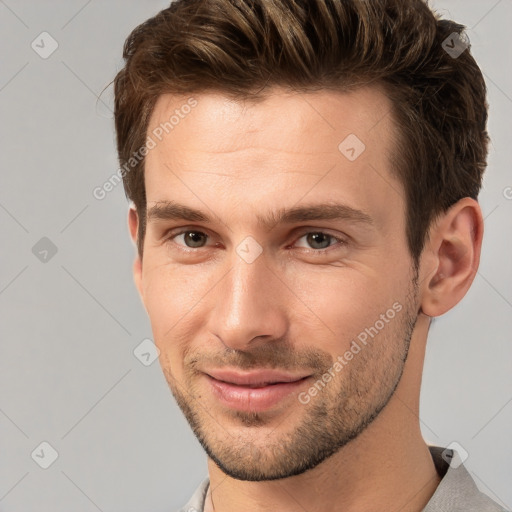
point(457, 491)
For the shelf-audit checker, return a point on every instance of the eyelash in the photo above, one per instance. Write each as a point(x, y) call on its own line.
point(340, 241)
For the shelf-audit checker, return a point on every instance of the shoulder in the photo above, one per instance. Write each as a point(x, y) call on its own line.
point(196, 502)
point(457, 490)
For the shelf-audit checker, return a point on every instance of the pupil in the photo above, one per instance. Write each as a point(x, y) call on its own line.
point(194, 239)
point(319, 239)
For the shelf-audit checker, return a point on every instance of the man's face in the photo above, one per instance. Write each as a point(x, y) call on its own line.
point(254, 298)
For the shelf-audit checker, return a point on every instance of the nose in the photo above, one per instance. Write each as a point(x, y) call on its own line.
point(250, 305)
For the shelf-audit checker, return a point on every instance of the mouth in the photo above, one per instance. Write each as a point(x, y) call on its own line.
point(255, 391)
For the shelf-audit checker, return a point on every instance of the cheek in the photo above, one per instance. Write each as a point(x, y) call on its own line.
point(171, 298)
point(171, 290)
point(342, 303)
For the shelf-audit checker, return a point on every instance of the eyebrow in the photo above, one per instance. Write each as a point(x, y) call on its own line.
point(171, 210)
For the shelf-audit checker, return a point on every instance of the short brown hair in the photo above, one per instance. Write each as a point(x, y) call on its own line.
point(244, 47)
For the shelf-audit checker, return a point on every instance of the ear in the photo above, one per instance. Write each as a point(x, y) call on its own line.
point(451, 257)
point(133, 225)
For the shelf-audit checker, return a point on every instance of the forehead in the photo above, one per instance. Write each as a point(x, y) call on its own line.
point(326, 145)
point(320, 119)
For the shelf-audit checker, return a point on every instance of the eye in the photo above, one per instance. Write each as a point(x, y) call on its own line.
point(319, 240)
point(190, 239)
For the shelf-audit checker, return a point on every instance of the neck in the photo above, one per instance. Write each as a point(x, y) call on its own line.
point(400, 476)
point(386, 466)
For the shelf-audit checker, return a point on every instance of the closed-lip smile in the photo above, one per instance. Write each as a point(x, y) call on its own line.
point(254, 379)
point(254, 391)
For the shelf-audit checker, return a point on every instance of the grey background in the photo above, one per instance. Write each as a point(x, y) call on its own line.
point(70, 324)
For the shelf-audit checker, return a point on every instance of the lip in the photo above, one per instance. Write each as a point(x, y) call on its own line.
point(255, 379)
point(253, 391)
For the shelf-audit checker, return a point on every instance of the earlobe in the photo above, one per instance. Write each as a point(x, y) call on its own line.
point(133, 224)
point(453, 256)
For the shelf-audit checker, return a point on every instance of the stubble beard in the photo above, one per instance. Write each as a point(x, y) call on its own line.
point(339, 413)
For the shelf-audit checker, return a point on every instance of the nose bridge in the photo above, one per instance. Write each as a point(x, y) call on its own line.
point(248, 304)
point(246, 280)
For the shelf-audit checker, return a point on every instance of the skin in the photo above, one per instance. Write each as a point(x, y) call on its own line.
point(357, 442)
